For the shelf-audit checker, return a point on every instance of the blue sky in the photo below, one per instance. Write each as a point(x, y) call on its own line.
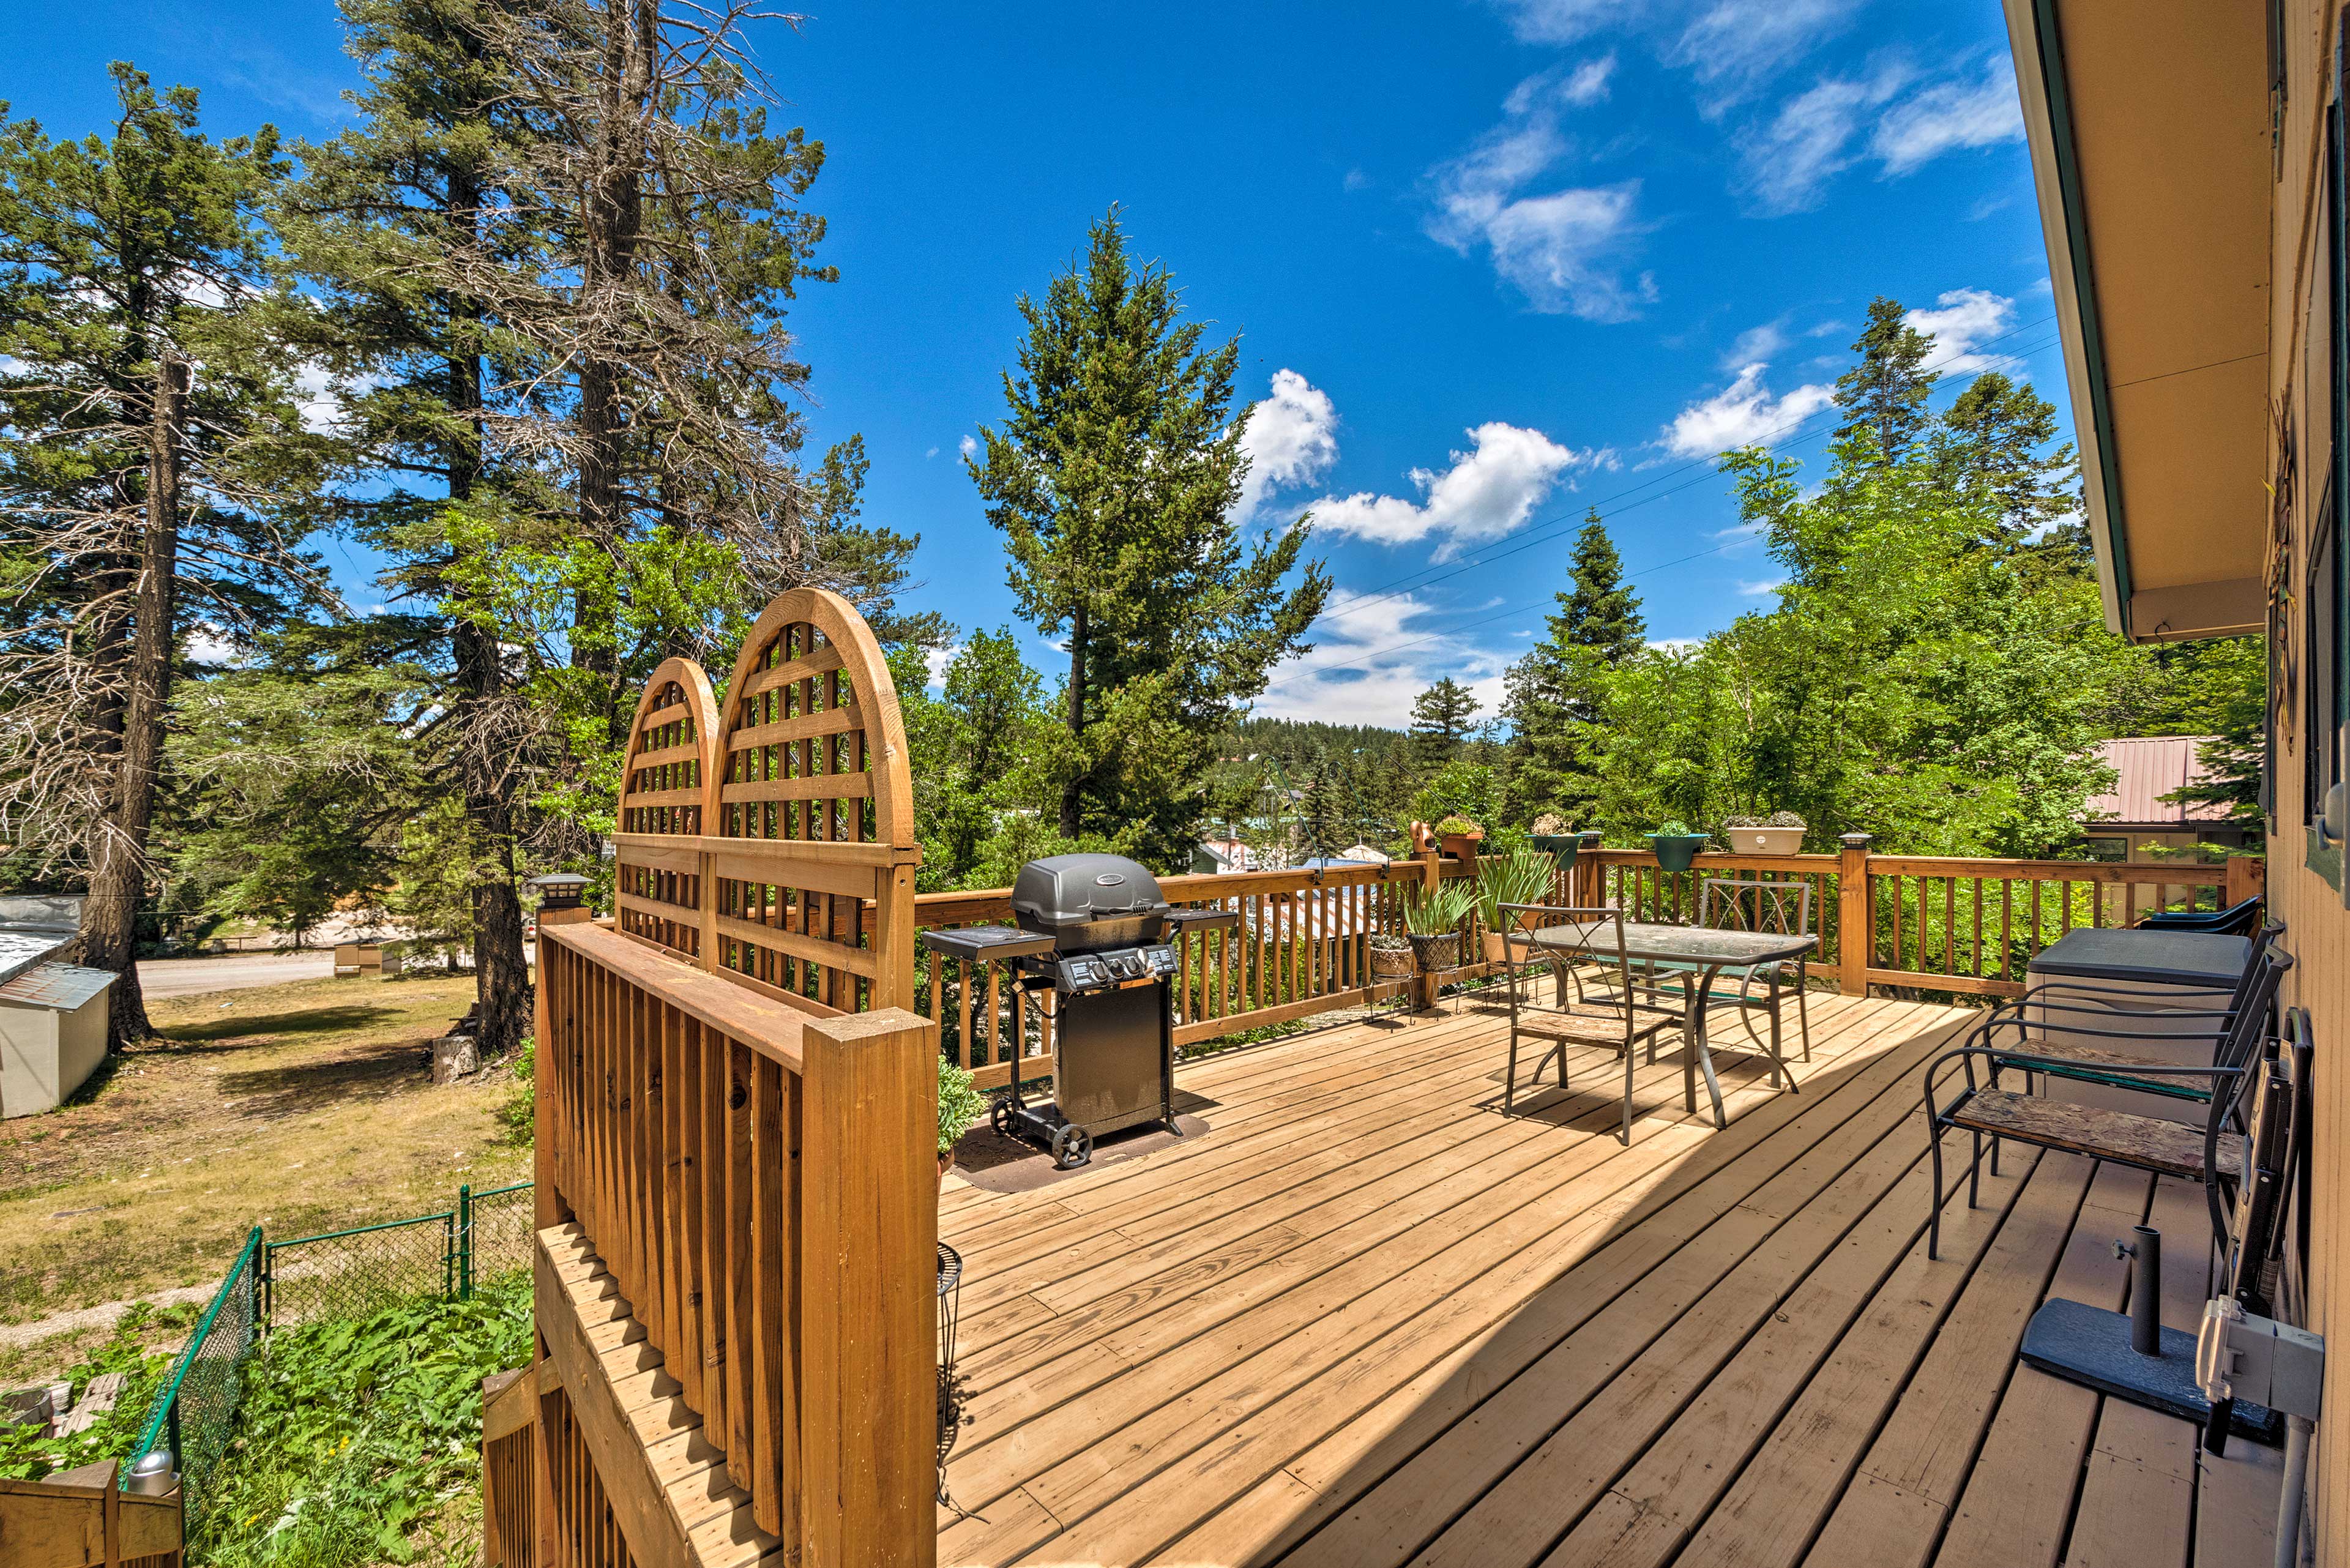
point(1491, 260)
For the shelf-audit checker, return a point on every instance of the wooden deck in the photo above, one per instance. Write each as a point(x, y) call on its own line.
point(1369, 1319)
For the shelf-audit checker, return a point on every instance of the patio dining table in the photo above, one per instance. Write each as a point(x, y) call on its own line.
point(1702, 953)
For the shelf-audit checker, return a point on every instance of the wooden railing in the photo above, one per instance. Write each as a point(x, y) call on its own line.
point(736, 1123)
point(1930, 923)
point(1299, 949)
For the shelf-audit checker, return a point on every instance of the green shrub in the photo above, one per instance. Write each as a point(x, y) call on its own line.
point(960, 1104)
point(519, 1115)
point(360, 1439)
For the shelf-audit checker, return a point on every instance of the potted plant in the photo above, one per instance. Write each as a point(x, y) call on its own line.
point(1781, 833)
point(1431, 920)
point(1523, 878)
point(1460, 838)
point(961, 1106)
point(1391, 956)
point(1676, 846)
point(1550, 834)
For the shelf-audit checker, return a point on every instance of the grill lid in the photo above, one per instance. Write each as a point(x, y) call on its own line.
point(1063, 891)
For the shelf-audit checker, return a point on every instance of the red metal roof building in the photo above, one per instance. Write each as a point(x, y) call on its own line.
point(2151, 767)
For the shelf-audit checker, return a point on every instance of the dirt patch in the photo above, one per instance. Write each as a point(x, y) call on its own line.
point(300, 1108)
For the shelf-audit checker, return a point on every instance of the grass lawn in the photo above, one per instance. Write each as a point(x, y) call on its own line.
point(299, 1108)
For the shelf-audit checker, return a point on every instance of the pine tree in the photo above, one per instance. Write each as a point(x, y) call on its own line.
point(1886, 393)
point(1600, 612)
point(1997, 435)
point(1441, 717)
point(1554, 693)
point(1112, 480)
point(152, 474)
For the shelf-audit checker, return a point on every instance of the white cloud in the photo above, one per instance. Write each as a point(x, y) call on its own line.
point(1790, 162)
point(1762, 342)
point(968, 446)
point(930, 454)
point(1371, 660)
point(1757, 590)
point(1962, 319)
point(1292, 439)
point(1562, 21)
point(1732, 44)
point(1491, 489)
point(1741, 414)
point(1950, 114)
point(1890, 116)
point(1563, 250)
point(319, 396)
point(209, 645)
point(938, 659)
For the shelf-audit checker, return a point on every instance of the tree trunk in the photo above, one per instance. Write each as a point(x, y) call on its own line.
point(1072, 793)
point(111, 919)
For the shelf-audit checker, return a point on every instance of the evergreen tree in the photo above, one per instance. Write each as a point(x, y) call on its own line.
point(1113, 479)
point(1554, 693)
point(152, 472)
point(1996, 437)
point(1324, 810)
point(1441, 717)
point(1886, 393)
point(1600, 612)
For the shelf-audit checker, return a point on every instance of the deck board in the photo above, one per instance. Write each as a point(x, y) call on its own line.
point(1370, 1319)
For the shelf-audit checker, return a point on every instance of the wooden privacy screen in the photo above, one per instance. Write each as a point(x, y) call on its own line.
point(772, 840)
point(736, 1121)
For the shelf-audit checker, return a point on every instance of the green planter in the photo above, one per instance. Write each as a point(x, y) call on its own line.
point(1675, 851)
point(1563, 846)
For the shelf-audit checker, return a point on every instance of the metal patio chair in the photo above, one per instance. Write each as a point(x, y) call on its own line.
point(2105, 1014)
point(1595, 1000)
point(2213, 1157)
point(1777, 909)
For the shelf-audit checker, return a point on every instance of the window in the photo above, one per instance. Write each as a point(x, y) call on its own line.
point(2107, 849)
point(2323, 622)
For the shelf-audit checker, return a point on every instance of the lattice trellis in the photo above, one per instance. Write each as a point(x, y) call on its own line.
point(666, 791)
point(812, 770)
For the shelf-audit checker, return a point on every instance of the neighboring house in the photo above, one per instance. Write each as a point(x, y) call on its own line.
point(2188, 159)
point(1363, 855)
point(53, 1015)
point(2133, 821)
point(1221, 857)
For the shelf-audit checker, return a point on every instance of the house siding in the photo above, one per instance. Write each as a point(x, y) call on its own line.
point(2301, 396)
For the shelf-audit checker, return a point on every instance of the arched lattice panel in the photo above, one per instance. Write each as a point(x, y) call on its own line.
point(668, 797)
point(814, 818)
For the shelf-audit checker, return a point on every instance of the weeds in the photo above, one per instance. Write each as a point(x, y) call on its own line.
point(359, 1440)
point(26, 1455)
point(519, 1114)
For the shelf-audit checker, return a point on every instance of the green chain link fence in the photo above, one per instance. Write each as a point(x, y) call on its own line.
point(338, 1273)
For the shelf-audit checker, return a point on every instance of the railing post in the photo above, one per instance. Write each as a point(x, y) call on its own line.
point(1856, 916)
point(1426, 988)
point(868, 1317)
point(2247, 878)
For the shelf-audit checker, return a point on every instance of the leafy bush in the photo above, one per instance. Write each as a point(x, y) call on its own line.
point(26, 1455)
point(1456, 824)
point(519, 1115)
point(961, 1104)
point(357, 1435)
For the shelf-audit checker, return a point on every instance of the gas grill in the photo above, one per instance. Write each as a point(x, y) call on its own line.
point(1096, 939)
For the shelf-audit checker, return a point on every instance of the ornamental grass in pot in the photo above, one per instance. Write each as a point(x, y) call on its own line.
point(1781, 833)
point(1676, 846)
point(1520, 877)
point(961, 1106)
point(1431, 920)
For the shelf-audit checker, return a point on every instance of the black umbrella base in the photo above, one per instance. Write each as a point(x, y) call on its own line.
point(2091, 1346)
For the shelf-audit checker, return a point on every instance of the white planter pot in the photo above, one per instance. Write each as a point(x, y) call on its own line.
point(1765, 840)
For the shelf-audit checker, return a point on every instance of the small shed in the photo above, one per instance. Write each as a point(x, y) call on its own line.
point(53, 1020)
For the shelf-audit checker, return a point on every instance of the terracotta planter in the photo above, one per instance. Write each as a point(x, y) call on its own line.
point(1437, 953)
point(1393, 963)
point(1497, 948)
point(1765, 840)
point(1462, 846)
point(1675, 851)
